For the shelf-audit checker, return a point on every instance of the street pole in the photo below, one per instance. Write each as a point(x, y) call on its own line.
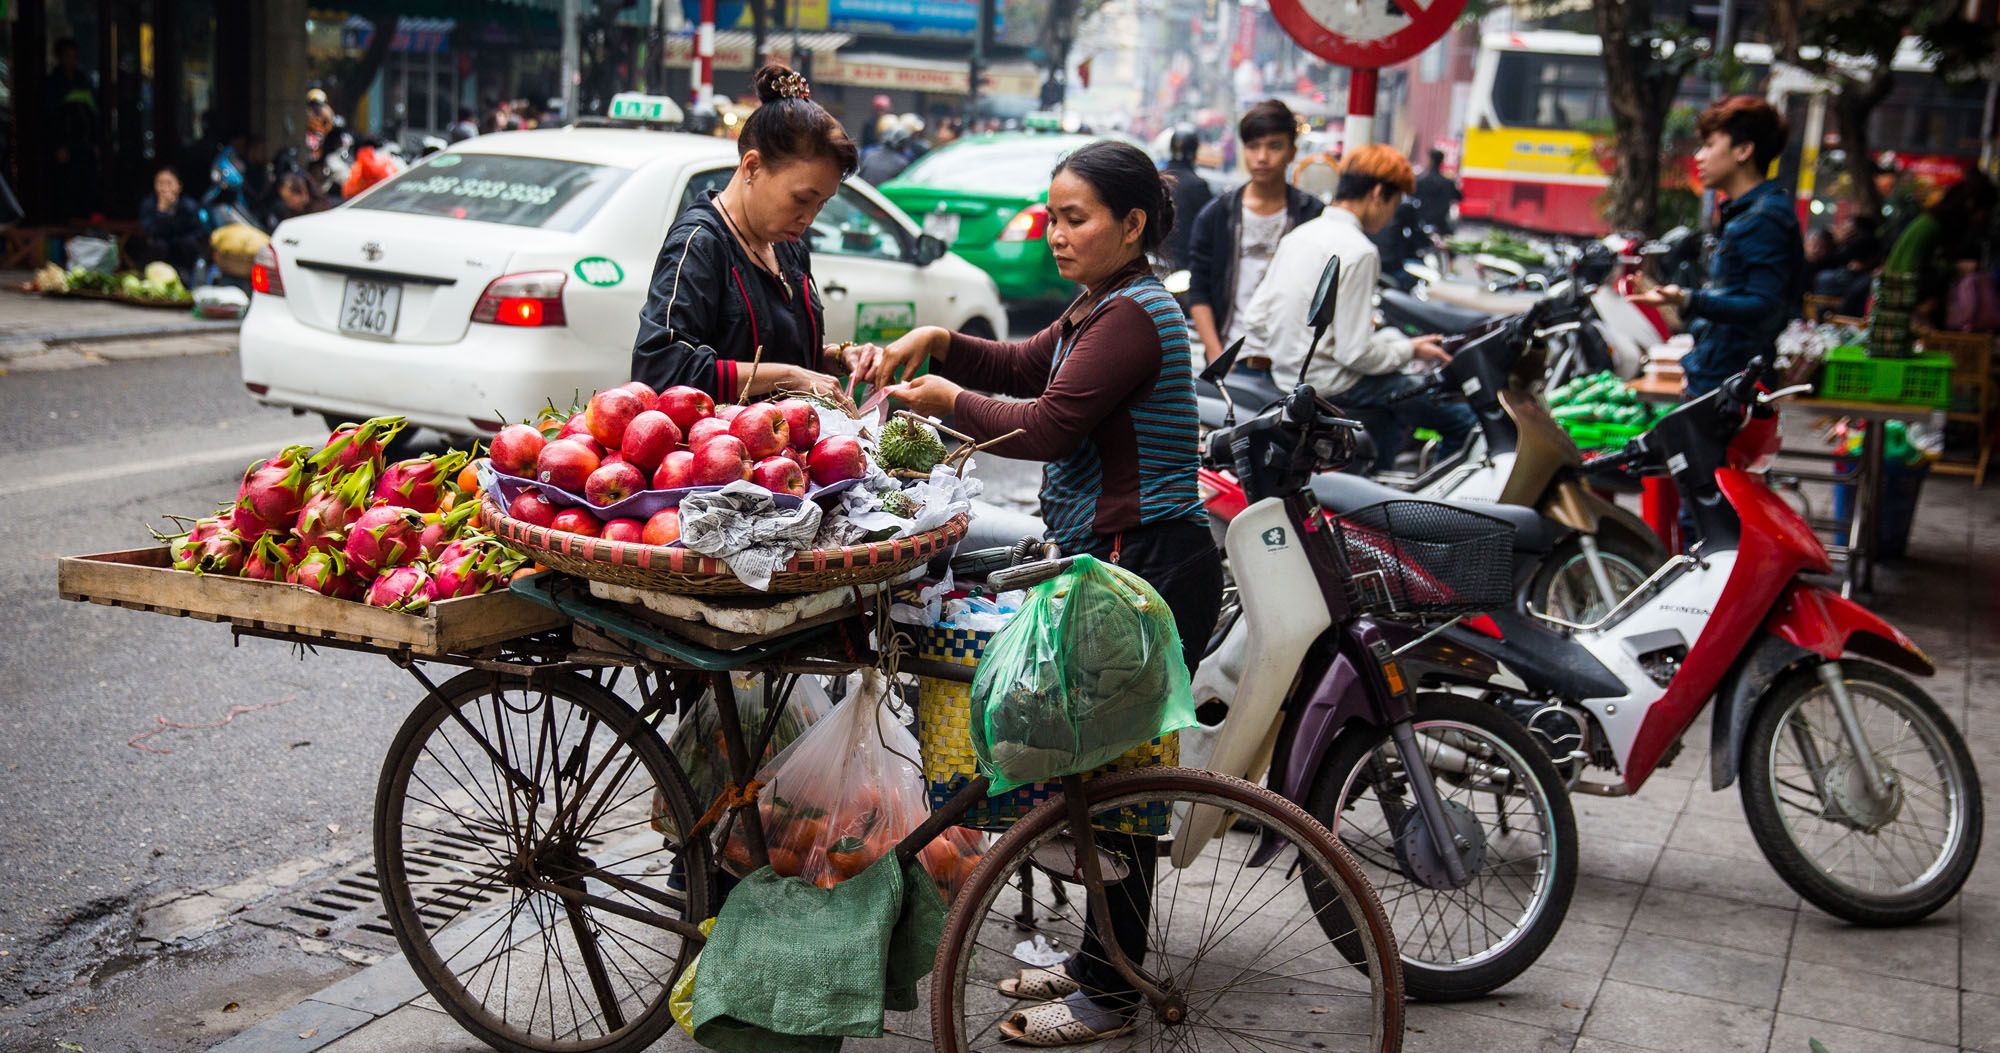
point(1360, 130)
point(704, 55)
point(570, 60)
point(980, 35)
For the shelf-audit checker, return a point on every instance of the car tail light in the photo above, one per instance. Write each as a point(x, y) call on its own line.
point(1029, 224)
point(258, 389)
point(490, 427)
point(264, 276)
point(532, 298)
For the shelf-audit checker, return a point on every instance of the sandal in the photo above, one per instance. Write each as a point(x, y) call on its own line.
point(1052, 1024)
point(1038, 984)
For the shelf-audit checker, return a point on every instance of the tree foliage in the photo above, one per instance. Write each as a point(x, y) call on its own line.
point(1644, 62)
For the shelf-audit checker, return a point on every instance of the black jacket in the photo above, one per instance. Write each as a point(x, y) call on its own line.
point(710, 307)
point(1213, 249)
point(1191, 195)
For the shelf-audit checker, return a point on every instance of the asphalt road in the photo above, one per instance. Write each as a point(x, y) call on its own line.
point(269, 758)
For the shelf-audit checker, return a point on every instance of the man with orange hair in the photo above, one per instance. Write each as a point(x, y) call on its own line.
point(1356, 365)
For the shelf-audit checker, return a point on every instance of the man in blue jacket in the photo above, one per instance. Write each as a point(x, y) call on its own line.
point(1758, 269)
point(1236, 234)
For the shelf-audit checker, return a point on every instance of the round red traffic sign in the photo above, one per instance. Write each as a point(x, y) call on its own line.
point(1366, 34)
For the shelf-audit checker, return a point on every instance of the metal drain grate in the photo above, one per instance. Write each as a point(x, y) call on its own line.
point(349, 909)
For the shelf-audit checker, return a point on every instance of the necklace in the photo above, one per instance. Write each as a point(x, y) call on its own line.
point(743, 239)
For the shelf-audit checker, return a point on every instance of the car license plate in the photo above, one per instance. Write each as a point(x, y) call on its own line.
point(942, 226)
point(369, 307)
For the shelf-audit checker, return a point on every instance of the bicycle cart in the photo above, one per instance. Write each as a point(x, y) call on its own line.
point(547, 865)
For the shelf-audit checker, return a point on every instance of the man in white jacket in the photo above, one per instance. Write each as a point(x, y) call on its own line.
point(1357, 366)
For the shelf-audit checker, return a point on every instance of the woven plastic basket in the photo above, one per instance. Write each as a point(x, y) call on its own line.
point(944, 729)
point(669, 569)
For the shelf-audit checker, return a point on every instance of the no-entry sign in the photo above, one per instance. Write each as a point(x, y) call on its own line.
point(1364, 36)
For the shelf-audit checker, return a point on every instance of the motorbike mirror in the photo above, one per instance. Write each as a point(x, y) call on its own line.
point(1219, 369)
point(1320, 318)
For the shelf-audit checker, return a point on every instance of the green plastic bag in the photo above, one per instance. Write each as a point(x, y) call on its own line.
point(1089, 667)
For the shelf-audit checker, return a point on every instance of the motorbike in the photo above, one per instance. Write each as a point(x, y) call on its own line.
point(1456, 812)
point(1857, 788)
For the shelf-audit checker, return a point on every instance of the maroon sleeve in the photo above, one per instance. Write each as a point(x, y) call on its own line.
point(1019, 368)
point(1117, 354)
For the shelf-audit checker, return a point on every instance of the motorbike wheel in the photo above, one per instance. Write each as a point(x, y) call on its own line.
point(1454, 943)
point(1826, 832)
point(1563, 585)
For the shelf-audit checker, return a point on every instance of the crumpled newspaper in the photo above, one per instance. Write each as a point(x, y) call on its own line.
point(741, 526)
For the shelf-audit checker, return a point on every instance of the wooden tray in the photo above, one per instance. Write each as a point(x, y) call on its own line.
point(143, 579)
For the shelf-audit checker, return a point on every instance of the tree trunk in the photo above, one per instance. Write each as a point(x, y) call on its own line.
point(357, 81)
point(1637, 114)
point(1852, 106)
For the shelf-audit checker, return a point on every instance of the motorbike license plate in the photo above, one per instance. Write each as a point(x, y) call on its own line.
point(369, 308)
point(942, 226)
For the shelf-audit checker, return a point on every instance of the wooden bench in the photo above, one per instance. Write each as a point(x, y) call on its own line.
point(1975, 398)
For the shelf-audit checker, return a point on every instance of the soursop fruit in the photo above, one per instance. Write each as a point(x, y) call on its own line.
point(908, 445)
point(900, 504)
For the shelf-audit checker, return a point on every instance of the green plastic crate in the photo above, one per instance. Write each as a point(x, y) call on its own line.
point(1851, 375)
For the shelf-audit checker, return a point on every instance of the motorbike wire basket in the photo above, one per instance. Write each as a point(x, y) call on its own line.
point(1424, 558)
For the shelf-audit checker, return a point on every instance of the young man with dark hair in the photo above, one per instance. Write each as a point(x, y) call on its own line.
point(1357, 366)
point(1758, 269)
point(1236, 235)
point(1436, 193)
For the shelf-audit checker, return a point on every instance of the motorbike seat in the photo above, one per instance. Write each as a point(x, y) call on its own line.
point(1430, 315)
point(1339, 492)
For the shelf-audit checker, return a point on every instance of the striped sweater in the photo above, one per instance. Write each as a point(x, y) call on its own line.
point(1112, 411)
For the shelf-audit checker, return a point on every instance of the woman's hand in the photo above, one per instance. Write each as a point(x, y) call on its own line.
point(1664, 296)
point(901, 358)
point(930, 394)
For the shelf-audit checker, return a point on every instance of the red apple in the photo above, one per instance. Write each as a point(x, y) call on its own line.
point(609, 413)
point(613, 483)
point(566, 465)
point(803, 417)
point(590, 444)
point(578, 521)
point(836, 458)
point(648, 439)
point(721, 460)
point(780, 475)
point(728, 411)
point(685, 405)
point(664, 528)
point(530, 507)
point(514, 450)
point(624, 530)
point(647, 396)
point(676, 471)
point(793, 452)
point(762, 428)
point(574, 426)
point(705, 429)
point(614, 457)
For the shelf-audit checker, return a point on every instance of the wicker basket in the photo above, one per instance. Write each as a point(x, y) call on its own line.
point(944, 729)
point(677, 570)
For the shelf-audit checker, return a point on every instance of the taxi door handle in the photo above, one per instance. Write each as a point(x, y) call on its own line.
point(835, 289)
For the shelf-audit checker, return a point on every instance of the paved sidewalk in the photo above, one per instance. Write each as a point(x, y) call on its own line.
point(1680, 937)
point(32, 325)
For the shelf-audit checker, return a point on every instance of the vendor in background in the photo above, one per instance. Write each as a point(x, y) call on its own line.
point(170, 227)
point(734, 276)
point(1922, 265)
point(298, 196)
point(1117, 358)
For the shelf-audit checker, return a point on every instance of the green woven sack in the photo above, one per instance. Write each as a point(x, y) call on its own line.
point(1089, 667)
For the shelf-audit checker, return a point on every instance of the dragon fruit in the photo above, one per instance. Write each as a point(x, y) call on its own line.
point(420, 482)
point(322, 570)
point(401, 589)
point(470, 566)
point(222, 551)
point(381, 538)
point(353, 445)
point(331, 505)
point(269, 560)
point(443, 528)
point(268, 500)
point(187, 545)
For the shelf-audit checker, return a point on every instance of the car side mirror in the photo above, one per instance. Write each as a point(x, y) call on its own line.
point(930, 249)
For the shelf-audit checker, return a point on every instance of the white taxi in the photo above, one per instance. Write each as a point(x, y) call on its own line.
point(510, 270)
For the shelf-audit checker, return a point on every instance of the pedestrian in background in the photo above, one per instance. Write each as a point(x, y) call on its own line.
point(297, 196)
point(1191, 192)
point(72, 117)
point(170, 227)
point(1236, 234)
point(886, 159)
point(1757, 273)
point(1436, 195)
point(1917, 277)
point(464, 128)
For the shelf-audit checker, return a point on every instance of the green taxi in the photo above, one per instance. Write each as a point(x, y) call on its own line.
point(987, 196)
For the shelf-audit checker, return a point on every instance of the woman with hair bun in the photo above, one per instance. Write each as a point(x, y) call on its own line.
point(1110, 404)
point(734, 274)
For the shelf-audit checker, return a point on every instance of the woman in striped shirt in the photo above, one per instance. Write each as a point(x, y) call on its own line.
point(1111, 408)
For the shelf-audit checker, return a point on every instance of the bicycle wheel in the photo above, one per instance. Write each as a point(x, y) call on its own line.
point(1507, 805)
point(1231, 939)
point(498, 793)
point(1860, 856)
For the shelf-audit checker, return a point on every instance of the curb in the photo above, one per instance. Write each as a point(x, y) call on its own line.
point(27, 342)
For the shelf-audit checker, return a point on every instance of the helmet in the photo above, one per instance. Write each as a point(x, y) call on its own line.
point(911, 124)
point(1184, 144)
point(316, 95)
point(895, 137)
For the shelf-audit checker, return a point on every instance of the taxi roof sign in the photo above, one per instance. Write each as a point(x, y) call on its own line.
point(646, 109)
